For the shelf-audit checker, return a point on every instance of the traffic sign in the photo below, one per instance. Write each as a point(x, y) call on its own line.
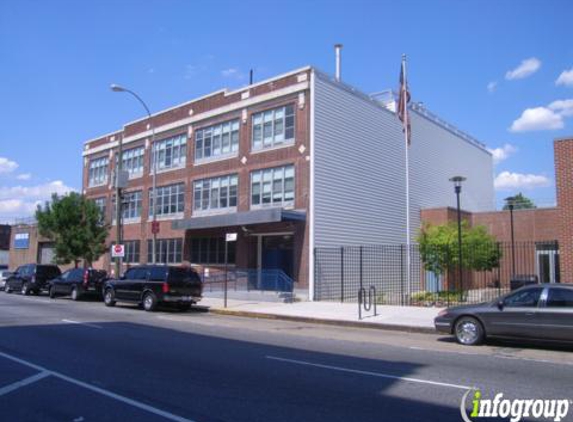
point(118, 251)
point(155, 227)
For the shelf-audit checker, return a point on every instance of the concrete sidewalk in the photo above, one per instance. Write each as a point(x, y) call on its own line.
point(407, 318)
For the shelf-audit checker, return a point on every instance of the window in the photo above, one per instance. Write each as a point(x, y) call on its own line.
point(101, 204)
point(169, 153)
point(217, 193)
point(217, 141)
point(525, 299)
point(272, 187)
point(131, 205)
point(131, 251)
point(560, 298)
point(97, 173)
point(211, 250)
point(132, 161)
point(167, 251)
point(170, 200)
point(273, 128)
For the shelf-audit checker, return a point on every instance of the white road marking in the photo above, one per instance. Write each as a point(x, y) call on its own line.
point(87, 324)
point(22, 383)
point(99, 390)
point(370, 373)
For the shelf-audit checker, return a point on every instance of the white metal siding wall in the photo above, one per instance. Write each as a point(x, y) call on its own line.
point(359, 188)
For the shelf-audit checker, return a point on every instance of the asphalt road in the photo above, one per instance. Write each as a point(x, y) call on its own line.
point(79, 361)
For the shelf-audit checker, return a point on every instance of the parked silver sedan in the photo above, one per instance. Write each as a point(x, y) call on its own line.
point(537, 312)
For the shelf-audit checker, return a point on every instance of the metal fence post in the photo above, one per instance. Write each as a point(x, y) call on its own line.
point(361, 286)
point(402, 274)
point(342, 274)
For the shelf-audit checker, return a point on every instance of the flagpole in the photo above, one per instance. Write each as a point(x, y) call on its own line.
point(406, 143)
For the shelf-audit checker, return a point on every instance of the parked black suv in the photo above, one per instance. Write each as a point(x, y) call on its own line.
point(78, 282)
point(31, 278)
point(152, 285)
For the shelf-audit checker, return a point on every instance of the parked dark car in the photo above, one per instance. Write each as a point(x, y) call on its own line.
point(536, 312)
point(153, 285)
point(31, 278)
point(4, 274)
point(78, 282)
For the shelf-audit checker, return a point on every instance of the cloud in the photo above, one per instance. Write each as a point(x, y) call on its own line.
point(21, 201)
point(562, 107)
point(232, 72)
point(513, 181)
point(566, 78)
point(7, 166)
point(503, 153)
point(24, 176)
point(538, 118)
point(527, 68)
point(491, 87)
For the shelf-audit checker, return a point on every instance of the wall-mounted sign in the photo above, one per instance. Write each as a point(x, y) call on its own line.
point(21, 240)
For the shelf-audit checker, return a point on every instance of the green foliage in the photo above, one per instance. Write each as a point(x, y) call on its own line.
point(520, 202)
point(75, 224)
point(439, 248)
point(437, 297)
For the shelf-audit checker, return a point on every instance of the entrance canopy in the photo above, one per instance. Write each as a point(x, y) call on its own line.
point(270, 215)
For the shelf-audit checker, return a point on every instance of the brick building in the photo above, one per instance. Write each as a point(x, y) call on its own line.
point(545, 234)
point(289, 164)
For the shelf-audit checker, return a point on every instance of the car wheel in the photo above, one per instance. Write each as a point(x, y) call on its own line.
point(7, 289)
point(52, 292)
point(149, 302)
point(75, 294)
point(109, 297)
point(469, 331)
point(25, 290)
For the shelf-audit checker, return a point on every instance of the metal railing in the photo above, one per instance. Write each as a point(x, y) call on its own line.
point(433, 278)
point(269, 280)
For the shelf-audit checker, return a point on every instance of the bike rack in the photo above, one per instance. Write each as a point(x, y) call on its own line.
point(366, 304)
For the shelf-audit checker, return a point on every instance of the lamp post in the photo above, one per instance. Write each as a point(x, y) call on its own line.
point(457, 181)
point(510, 201)
point(117, 88)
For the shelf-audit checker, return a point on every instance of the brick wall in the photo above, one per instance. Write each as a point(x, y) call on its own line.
point(563, 149)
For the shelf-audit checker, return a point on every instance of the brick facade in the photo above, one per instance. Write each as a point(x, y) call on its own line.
point(563, 149)
point(243, 164)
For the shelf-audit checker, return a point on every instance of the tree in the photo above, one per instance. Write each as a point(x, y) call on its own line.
point(520, 202)
point(439, 248)
point(75, 225)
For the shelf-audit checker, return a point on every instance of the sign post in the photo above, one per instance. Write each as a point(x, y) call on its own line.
point(229, 237)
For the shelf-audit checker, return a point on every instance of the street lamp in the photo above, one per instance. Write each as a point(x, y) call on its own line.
point(457, 181)
point(117, 88)
point(510, 201)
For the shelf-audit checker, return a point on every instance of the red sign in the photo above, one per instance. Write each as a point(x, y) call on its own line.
point(155, 227)
point(118, 251)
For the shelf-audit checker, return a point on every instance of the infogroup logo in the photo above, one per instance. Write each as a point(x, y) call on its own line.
point(514, 410)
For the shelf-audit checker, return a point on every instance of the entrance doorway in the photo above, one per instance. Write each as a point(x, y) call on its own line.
point(277, 253)
point(547, 263)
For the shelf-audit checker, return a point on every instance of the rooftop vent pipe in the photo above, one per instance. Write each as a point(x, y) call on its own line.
point(337, 48)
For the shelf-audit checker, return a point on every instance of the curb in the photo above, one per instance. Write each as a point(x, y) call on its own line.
point(340, 323)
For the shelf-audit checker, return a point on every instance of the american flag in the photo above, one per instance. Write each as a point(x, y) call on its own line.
point(403, 101)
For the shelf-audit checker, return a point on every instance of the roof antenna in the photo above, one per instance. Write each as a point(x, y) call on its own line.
point(251, 77)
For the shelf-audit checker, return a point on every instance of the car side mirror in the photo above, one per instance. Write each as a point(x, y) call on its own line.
point(500, 305)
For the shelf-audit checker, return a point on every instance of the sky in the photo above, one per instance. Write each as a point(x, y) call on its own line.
point(499, 70)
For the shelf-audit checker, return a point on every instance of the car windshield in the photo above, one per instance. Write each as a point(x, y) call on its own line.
point(48, 271)
point(183, 274)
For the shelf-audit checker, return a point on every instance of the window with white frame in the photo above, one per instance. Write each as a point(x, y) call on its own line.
point(101, 204)
point(169, 153)
point(273, 128)
point(273, 187)
point(216, 193)
point(167, 251)
point(132, 161)
point(131, 205)
point(97, 173)
point(132, 248)
point(170, 200)
point(217, 141)
point(211, 250)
